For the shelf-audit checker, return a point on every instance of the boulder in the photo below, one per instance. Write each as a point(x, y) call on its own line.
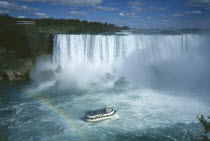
point(10, 75)
point(47, 75)
point(108, 77)
point(17, 73)
point(121, 82)
point(21, 73)
point(58, 69)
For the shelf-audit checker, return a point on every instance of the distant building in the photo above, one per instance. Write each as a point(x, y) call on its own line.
point(26, 22)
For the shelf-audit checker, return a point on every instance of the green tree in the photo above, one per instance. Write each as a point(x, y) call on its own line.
point(80, 26)
point(206, 126)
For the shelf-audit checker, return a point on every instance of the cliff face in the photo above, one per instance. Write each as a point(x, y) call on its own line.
point(20, 73)
point(23, 41)
point(18, 52)
point(13, 40)
point(40, 43)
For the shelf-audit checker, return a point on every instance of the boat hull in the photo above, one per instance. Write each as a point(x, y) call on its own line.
point(100, 118)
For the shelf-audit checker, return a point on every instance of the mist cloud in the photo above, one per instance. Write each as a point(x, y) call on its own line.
point(189, 70)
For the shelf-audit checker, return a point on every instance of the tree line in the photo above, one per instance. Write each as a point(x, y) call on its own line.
point(83, 26)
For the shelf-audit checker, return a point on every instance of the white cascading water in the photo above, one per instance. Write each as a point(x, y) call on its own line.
point(104, 50)
point(168, 85)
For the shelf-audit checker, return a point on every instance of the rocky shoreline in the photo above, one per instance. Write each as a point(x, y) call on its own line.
point(21, 73)
point(16, 60)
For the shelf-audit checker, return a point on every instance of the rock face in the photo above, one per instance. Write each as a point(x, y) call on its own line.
point(40, 43)
point(17, 74)
point(47, 75)
point(10, 75)
point(121, 82)
point(16, 47)
point(58, 69)
point(24, 44)
point(109, 77)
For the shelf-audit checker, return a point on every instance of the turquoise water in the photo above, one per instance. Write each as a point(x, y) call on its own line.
point(167, 86)
point(53, 111)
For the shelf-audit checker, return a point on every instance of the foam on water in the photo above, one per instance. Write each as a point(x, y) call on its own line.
point(139, 110)
point(56, 114)
point(53, 110)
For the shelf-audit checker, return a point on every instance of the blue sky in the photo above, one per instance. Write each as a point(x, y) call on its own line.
point(145, 14)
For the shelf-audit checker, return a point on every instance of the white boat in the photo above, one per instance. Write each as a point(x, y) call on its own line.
point(100, 114)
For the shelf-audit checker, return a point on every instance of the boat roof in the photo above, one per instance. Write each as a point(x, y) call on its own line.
point(95, 112)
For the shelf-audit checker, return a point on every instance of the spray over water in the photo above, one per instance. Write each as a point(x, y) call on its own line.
point(166, 69)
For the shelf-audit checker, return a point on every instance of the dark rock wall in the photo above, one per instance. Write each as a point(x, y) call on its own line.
point(21, 51)
point(40, 43)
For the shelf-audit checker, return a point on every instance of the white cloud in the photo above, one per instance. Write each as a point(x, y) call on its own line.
point(177, 15)
point(193, 12)
point(21, 17)
point(158, 8)
point(163, 8)
point(184, 13)
point(4, 11)
point(136, 3)
point(207, 8)
point(106, 8)
point(136, 8)
point(73, 8)
point(112, 3)
point(41, 15)
point(68, 2)
point(123, 14)
point(99, 19)
point(130, 15)
point(165, 20)
point(198, 2)
point(148, 17)
point(7, 6)
point(78, 13)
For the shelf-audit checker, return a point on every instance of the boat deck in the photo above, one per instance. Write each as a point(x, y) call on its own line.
point(96, 112)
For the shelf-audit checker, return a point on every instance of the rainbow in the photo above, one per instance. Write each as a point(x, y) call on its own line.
point(61, 114)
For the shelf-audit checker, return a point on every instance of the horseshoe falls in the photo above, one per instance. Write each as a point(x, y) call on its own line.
point(107, 49)
point(158, 84)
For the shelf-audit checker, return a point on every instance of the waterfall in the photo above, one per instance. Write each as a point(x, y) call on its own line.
point(107, 49)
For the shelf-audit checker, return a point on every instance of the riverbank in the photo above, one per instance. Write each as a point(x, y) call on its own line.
point(19, 50)
point(15, 69)
point(21, 44)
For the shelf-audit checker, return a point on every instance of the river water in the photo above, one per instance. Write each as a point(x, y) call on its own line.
point(155, 104)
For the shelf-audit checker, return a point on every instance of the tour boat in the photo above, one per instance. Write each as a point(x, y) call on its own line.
point(100, 114)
